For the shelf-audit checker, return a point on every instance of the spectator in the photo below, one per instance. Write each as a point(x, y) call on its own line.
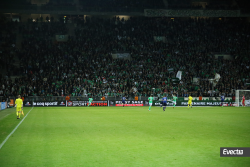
point(85, 66)
point(67, 98)
point(200, 97)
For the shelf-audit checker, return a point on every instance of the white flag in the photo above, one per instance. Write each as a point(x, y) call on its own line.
point(217, 77)
point(178, 75)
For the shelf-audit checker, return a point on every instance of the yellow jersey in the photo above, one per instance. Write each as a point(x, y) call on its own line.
point(19, 102)
point(190, 98)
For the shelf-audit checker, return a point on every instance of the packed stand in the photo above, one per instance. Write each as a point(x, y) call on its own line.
point(8, 33)
point(83, 66)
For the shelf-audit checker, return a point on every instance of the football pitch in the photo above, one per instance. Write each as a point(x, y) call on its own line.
point(123, 137)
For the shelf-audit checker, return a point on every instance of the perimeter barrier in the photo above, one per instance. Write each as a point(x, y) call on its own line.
point(118, 103)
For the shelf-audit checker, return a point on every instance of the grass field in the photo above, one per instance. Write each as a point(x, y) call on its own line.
point(130, 136)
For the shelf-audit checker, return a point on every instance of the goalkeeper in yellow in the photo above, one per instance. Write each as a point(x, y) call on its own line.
point(19, 107)
point(190, 101)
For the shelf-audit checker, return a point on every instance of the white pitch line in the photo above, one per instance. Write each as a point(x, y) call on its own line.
point(1, 145)
point(4, 116)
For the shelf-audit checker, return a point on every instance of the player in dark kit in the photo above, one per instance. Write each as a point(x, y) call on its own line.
point(123, 100)
point(164, 102)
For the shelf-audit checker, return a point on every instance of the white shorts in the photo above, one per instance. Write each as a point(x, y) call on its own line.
point(89, 103)
point(174, 102)
point(150, 104)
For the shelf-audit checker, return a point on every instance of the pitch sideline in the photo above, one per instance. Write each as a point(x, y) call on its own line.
point(1, 145)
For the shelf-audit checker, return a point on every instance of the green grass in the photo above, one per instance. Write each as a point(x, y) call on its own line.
point(130, 136)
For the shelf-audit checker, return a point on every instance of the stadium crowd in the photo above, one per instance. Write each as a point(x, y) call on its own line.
point(7, 45)
point(84, 66)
